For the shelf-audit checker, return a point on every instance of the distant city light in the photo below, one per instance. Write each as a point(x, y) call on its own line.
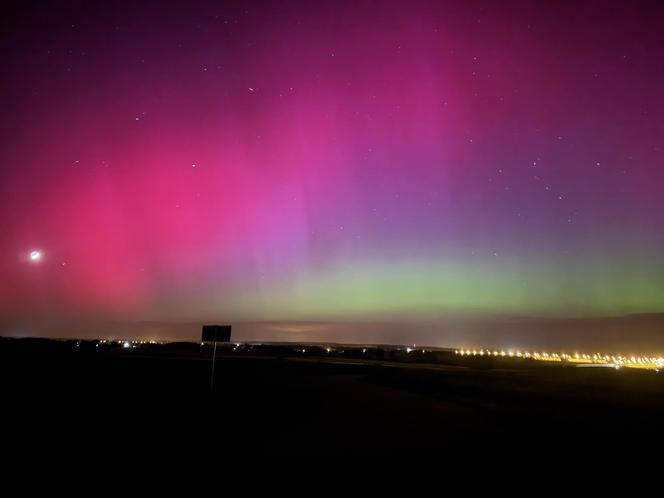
point(578, 359)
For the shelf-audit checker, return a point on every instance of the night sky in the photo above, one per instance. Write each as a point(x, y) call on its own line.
point(309, 162)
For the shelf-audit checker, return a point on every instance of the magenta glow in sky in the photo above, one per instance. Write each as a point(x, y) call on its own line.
point(191, 161)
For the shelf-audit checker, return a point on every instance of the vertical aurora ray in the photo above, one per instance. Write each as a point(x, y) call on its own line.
point(343, 161)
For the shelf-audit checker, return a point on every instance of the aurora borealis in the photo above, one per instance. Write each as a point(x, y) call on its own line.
point(390, 162)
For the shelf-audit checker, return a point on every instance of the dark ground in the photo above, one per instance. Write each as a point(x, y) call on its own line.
point(276, 399)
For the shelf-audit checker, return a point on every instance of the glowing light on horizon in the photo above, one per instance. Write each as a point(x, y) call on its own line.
point(644, 362)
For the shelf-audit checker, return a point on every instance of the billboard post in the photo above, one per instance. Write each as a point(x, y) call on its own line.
point(215, 333)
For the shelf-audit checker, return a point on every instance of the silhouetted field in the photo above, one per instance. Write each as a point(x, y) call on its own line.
point(295, 399)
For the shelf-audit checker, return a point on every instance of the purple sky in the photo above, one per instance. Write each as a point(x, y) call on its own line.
point(383, 162)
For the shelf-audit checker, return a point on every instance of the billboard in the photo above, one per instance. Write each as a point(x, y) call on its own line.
point(216, 333)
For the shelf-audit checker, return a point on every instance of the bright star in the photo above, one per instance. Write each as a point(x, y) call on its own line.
point(35, 256)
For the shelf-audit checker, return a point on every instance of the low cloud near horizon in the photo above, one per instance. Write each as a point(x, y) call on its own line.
point(627, 334)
